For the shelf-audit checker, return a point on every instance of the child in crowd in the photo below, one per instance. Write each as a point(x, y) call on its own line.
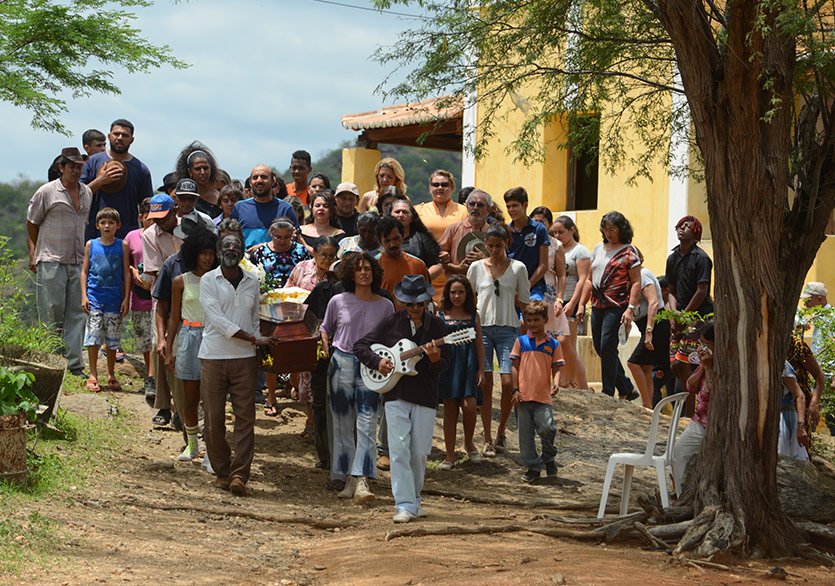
point(536, 359)
point(460, 384)
point(105, 295)
point(198, 255)
point(140, 296)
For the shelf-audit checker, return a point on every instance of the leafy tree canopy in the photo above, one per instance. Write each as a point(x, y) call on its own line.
point(47, 47)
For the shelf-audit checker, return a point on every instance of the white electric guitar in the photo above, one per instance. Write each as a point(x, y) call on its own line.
point(404, 356)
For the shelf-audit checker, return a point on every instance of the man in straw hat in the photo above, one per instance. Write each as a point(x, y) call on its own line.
point(55, 223)
point(410, 405)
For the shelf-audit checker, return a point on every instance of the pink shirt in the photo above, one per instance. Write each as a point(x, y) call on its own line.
point(702, 400)
point(157, 246)
point(304, 275)
point(134, 241)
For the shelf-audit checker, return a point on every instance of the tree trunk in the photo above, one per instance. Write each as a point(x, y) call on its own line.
point(760, 260)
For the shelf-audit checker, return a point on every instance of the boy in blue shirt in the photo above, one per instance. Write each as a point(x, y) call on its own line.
point(105, 294)
point(530, 242)
point(536, 359)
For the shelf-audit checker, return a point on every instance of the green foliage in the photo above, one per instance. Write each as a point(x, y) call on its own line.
point(683, 318)
point(16, 394)
point(417, 164)
point(822, 319)
point(48, 47)
point(15, 328)
point(14, 200)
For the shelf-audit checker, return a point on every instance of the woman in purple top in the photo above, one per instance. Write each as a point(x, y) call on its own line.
point(349, 317)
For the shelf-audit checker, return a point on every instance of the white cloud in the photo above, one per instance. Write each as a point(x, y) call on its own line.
point(267, 78)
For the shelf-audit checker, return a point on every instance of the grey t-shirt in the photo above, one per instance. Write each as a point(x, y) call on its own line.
point(643, 305)
point(578, 252)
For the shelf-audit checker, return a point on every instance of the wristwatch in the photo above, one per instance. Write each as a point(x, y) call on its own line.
point(633, 308)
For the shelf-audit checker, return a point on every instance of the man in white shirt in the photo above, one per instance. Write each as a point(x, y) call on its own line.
point(229, 297)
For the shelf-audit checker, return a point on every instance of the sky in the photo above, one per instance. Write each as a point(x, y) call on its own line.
point(267, 78)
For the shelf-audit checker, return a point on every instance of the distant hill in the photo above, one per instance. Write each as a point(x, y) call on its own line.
point(417, 163)
point(14, 199)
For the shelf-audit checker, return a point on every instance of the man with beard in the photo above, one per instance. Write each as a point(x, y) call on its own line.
point(257, 214)
point(122, 185)
point(55, 226)
point(395, 263)
point(347, 197)
point(229, 297)
point(478, 203)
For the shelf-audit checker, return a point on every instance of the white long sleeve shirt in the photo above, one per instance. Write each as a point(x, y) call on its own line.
point(228, 310)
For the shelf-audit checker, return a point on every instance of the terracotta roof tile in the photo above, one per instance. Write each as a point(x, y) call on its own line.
point(411, 113)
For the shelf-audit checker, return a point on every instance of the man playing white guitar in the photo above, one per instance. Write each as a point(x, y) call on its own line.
point(410, 404)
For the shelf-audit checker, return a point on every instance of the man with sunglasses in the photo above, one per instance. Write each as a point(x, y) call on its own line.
point(478, 203)
point(410, 405)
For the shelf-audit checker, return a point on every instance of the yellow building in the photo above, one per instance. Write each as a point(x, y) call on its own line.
point(560, 183)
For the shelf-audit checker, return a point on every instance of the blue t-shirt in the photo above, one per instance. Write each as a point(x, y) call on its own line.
point(104, 279)
point(525, 248)
point(279, 265)
point(125, 201)
point(256, 217)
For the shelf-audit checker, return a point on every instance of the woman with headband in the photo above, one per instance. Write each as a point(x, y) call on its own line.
point(197, 162)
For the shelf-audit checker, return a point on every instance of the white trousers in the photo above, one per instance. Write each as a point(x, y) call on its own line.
point(687, 446)
point(410, 429)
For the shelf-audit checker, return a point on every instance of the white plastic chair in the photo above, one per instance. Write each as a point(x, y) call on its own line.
point(660, 463)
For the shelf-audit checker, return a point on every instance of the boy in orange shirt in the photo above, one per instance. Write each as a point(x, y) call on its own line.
point(536, 359)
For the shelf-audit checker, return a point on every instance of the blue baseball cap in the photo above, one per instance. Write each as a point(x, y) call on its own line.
point(161, 204)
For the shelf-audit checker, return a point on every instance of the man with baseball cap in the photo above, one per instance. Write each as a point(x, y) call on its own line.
point(55, 223)
point(347, 197)
point(118, 180)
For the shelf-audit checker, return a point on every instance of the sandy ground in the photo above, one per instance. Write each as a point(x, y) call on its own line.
point(144, 518)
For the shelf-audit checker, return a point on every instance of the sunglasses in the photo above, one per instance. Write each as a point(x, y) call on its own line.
point(496, 285)
point(444, 184)
point(476, 204)
point(416, 304)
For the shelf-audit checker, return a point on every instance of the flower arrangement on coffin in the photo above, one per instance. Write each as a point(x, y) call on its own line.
point(256, 270)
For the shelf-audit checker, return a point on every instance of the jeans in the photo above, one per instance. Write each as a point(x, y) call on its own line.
point(604, 332)
point(410, 429)
point(532, 419)
point(353, 411)
point(58, 292)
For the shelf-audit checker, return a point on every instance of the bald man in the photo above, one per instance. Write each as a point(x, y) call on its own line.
point(256, 214)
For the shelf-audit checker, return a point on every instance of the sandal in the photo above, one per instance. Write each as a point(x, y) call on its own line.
point(309, 430)
point(114, 385)
point(93, 385)
point(163, 417)
point(270, 409)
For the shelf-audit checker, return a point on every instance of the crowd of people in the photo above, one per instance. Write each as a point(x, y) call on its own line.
point(179, 259)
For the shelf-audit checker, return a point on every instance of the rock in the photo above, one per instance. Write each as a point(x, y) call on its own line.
point(88, 405)
point(557, 579)
point(805, 490)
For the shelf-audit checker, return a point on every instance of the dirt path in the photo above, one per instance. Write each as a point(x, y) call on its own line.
point(147, 519)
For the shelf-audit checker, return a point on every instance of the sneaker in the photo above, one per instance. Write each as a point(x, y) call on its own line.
point(150, 393)
point(207, 464)
point(150, 386)
point(422, 514)
point(238, 487)
point(550, 468)
point(383, 462)
point(403, 516)
point(501, 443)
point(350, 488)
point(475, 457)
point(446, 465)
point(530, 475)
point(489, 450)
point(189, 454)
point(362, 494)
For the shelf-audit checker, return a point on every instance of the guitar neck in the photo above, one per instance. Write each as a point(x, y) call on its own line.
point(419, 350)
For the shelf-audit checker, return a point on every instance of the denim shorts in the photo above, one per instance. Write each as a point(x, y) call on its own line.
point(187, 365)
point(500, 339)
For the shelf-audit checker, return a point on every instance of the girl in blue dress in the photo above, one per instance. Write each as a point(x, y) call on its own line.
point(460, 384)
